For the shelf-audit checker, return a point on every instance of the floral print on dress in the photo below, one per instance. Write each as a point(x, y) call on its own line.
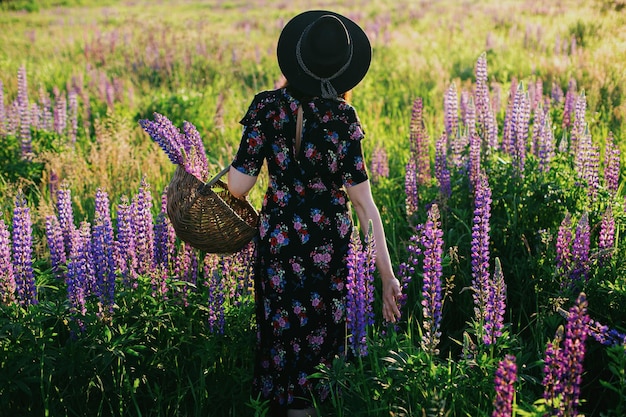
point(304, 232)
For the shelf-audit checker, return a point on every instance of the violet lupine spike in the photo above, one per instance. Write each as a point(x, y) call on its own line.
point(24, 134)
point(197, 163)
point(46, 112)
point(432, 243)
point(458, 147)
point(484, 112)
point(419, 142)
point(357, 298)
point(380, 164)
point(406, 270)
point(552, 370)
point(442, 172)
point(546, 143)
point(126, 254)
point(22, 88)
point(569, 105)
point(103, 254)
point(475, 169)
point(480, 249)
point(66, 216)
point(73, 115)
point(22, 251)
point(539, 116)
point(79, 272)
point(451, 111)
point(508, 133)
point(611, 164)
point(158, 281)
point(60, 113)
point(504, 382)
point(469, 118)
point(496, 306)
point(580, 124)
point(411, 188)
point(605, 335)
point(166, 135)
point(143, 227)
point(369, 249)
point(521, 118)
point(556, 94)
point(216, 296)
point(606, 239)
point(7, 278)
point(581, 265)
point(56, 245)
point(165, 237)
point(564, 246)
point(186, 271)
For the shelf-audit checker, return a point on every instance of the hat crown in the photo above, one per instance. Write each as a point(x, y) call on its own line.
point(325, 46)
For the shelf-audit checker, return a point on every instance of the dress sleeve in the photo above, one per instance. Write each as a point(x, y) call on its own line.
point(354, 171)
point(251, 153)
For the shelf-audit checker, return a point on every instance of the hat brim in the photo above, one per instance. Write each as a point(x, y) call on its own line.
point(296, 77)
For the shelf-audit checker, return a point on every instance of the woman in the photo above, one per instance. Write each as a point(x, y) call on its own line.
point(305, 222)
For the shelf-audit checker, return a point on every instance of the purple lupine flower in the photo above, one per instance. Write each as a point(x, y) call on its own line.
point(432, 243)
point(7, 278)
point(66, 216)
point(164, 237)
point(496, 306)
point(380, 164)
point(580, 250)
point(59, 112)
point(407, 269)
point(186, 271)
point(102, 252)
point(46, 123)
point(72, 98)
point(545, 145)
point(469, 118)
point(539, 117)
point(480, 248)
point(451, 111)
point(79, 273)
point(504, 381)
point(458, 147)
point(569, 105)
point(520, 120)
point(420, 152)
point(22, 250)
point(580, 124)
point(442, 172)
point(605, 335)
point(166, 135)
point(359, 296)
point(611, 164)
point(411, 188)
point(56, 245)
point(508, 129)
point(484, 113)
point(126, 254)
point(564, 365)
point(564, 245)
point(216, 296)
point(24, 114)
point(474, 159)
point(196, 161)
point(606, 239)
point(556, 94)
point(143, 228)
point(158, 281)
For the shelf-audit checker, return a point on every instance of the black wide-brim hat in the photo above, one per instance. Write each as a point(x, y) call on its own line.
point(322, 53)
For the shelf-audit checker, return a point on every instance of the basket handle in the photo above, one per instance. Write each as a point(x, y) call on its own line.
point(205, 188)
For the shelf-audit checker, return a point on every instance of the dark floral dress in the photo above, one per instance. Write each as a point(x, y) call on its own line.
point(304, 230)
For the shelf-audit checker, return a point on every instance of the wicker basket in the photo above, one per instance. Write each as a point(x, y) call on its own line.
point(207, 216)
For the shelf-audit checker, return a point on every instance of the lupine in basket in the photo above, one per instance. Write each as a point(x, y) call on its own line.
point(182, 148)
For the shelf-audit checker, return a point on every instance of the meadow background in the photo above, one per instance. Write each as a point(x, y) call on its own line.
point(100, 322)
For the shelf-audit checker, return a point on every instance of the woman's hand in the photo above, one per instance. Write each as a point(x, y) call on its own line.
point(391, 296)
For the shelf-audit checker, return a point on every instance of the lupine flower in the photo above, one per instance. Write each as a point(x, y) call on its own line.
point(102, 253)
point(359, 294)
point(79, 273)
point(126, 254)
point(46, 123)
point(23, 253)
point(580, 250)
point(469, 118)
point(73, 115)
point(504, 381)
point(474, 159)
point(60, 113)
point(186, 270)
point(7, 278)
point(521, 117)
point(611, 164)
point(480, 248)
point(216, 295)
point(606, 239)
point(451, 111)
point(143, 228)
point(569, 104)
point(564, 365)
point(164, 236)
point(411, 188)
point(184, 149)
point(579, 125)
point(24, 112)
point(418, 141)
point(556, 94)
point(158, 281)
point(380, 164)
point(432, 243)
point(545, 145)
point(442, 172)
point(484, 113)
point(564, 245)
point(56, 246)
point(66, 215)
point(407, 269)
point(496, 306)
point(605, 335)
point(508, 133)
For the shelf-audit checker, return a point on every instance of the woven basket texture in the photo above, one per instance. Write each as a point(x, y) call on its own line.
point(208, 217)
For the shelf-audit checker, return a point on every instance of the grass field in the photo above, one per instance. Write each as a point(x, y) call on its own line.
point(494, 135)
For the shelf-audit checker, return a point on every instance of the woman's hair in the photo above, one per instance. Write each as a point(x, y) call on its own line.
point(347, 96)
